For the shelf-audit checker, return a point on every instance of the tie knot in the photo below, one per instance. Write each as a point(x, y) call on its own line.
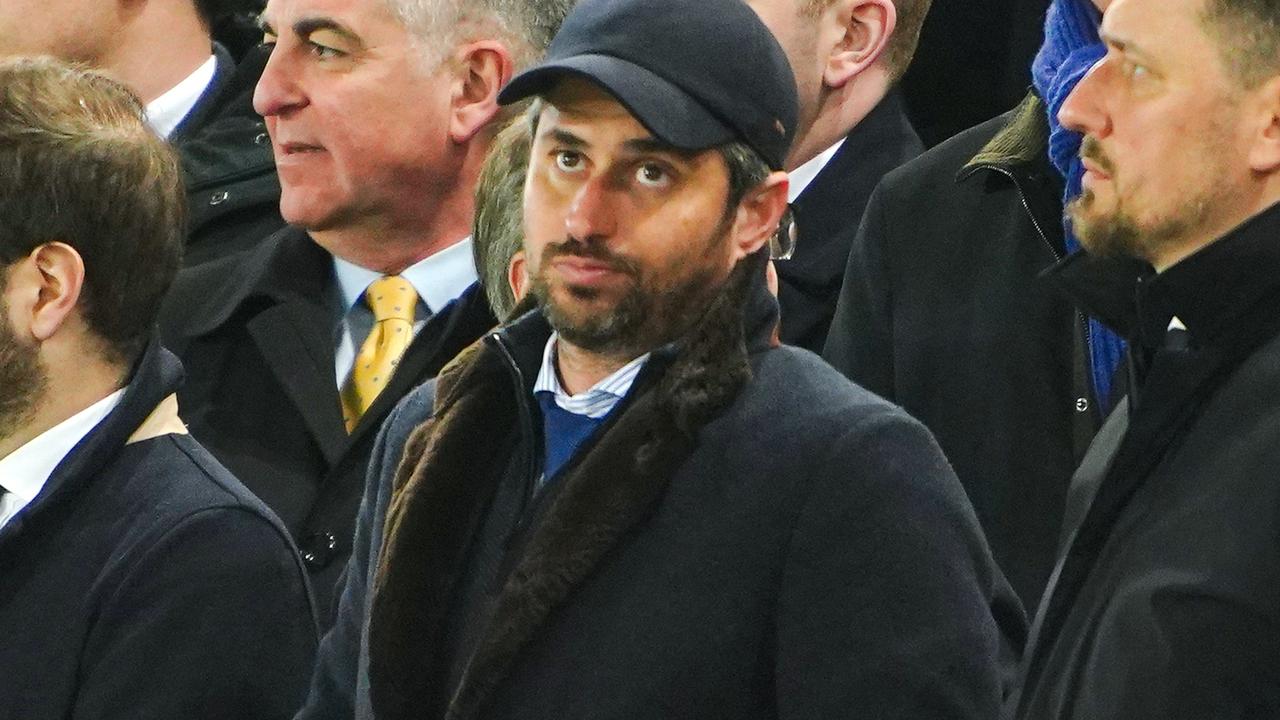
point(391, 297)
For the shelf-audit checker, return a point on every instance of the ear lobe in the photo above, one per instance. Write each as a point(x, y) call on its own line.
point(758, 215)
point(1265, 157)
point(483, 68)
point(867, 27)
point(55, 283)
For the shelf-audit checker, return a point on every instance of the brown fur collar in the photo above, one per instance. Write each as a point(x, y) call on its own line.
point(449, 473)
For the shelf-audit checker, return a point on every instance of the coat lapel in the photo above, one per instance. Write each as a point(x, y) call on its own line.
point(294, 341)
point(599, 501)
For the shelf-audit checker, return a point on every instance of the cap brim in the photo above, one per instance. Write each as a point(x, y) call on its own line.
point(662, 107)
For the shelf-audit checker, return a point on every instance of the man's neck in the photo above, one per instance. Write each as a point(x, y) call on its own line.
point(391, 246)
point(580, 369)
point(61, 401)
point(159, 49)
point(839, 112)
point(1175, 251)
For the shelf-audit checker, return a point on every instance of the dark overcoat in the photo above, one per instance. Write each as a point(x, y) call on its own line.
point(1166, 598)
point(806, 554)
point(228, 168)
point(145, 583)
point(256, 333)
point(943, 313)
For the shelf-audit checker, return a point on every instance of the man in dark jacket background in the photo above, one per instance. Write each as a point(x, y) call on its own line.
point(1166, 596)
point(632, 503)
point(138, 579)
point(942, 312)
point(198, 95)
point(380, 115)
point(847, 56)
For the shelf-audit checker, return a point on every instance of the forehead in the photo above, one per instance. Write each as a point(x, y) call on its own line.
point(583, 105)
point(357, 15)
point(1169, 28)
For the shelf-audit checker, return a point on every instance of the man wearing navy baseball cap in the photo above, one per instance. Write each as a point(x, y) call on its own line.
point(630, 502)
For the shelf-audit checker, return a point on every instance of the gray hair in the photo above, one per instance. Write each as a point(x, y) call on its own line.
point(526, 26)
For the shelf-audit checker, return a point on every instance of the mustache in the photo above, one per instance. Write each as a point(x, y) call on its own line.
point(1091, 149)
point(589, 251)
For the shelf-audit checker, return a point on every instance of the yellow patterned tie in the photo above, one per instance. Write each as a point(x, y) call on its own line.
point(392, 300)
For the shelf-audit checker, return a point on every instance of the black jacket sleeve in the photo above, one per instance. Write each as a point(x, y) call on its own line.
point(212, 621)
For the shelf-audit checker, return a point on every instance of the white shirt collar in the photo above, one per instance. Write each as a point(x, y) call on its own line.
point(598, 400)
point(804, 175)
point(25, 471)
point(438, 280)
point(166, 113)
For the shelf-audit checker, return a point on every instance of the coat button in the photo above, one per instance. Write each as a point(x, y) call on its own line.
point(318, 550)
point(1082, 404)
point(261, 139)
point(219, 198)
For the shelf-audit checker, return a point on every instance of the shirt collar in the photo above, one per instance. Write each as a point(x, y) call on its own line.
point(25, 471)
point(166, 113)
point(438, 279)
point(803, 176)
point(598, 400)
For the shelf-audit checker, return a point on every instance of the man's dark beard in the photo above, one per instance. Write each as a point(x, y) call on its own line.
point(22, 379)
point(645, 317)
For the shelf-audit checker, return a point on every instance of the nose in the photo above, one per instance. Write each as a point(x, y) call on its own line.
point(592, 214)
point(277, 92)
point(1084, 111)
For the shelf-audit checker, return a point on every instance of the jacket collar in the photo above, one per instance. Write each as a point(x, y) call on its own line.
point(156, 376)
point(1209, 291)
point(1023, 140)
point(445, 480)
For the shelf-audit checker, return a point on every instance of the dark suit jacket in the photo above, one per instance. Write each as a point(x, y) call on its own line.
point(145, 583)
point(256, 334)
point(827, 215)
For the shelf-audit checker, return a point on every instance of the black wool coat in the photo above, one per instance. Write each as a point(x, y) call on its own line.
point(827, 214)
point(808, 554)
point(229, 171)
point(943, 313)
point(1166, 597)
point(145, 583)
point(256, 333)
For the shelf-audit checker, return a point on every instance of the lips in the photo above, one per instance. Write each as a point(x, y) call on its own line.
point(579, 270)
point(297, 148)
point(1095, 169)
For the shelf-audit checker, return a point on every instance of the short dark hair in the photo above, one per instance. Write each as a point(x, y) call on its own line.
point(906, 35)
point(211, 12)
point(498, 230)
point(82, 167)
point(1247, 33)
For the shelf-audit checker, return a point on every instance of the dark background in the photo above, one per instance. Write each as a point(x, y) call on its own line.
point(974, 62)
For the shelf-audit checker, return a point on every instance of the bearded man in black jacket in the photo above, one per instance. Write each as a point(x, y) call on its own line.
point(632, 503)
point(1164, 599)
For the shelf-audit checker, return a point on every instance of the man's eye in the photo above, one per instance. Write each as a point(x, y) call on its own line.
point(652, 175)
point(268, 40)
point(324, 52)
point(568, 160)
point(1135, 71)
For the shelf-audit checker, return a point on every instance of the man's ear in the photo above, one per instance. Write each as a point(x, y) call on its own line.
point(758, 215)
point(864, 28)
point(482, 68)
point(517, 275)
point(1265, 155)
point(43, 290)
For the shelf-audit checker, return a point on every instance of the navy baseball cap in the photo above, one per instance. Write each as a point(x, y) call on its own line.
point(695, 73)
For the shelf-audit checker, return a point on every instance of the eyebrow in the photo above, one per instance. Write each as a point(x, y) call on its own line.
point(307, 26)
point(1124, 46)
